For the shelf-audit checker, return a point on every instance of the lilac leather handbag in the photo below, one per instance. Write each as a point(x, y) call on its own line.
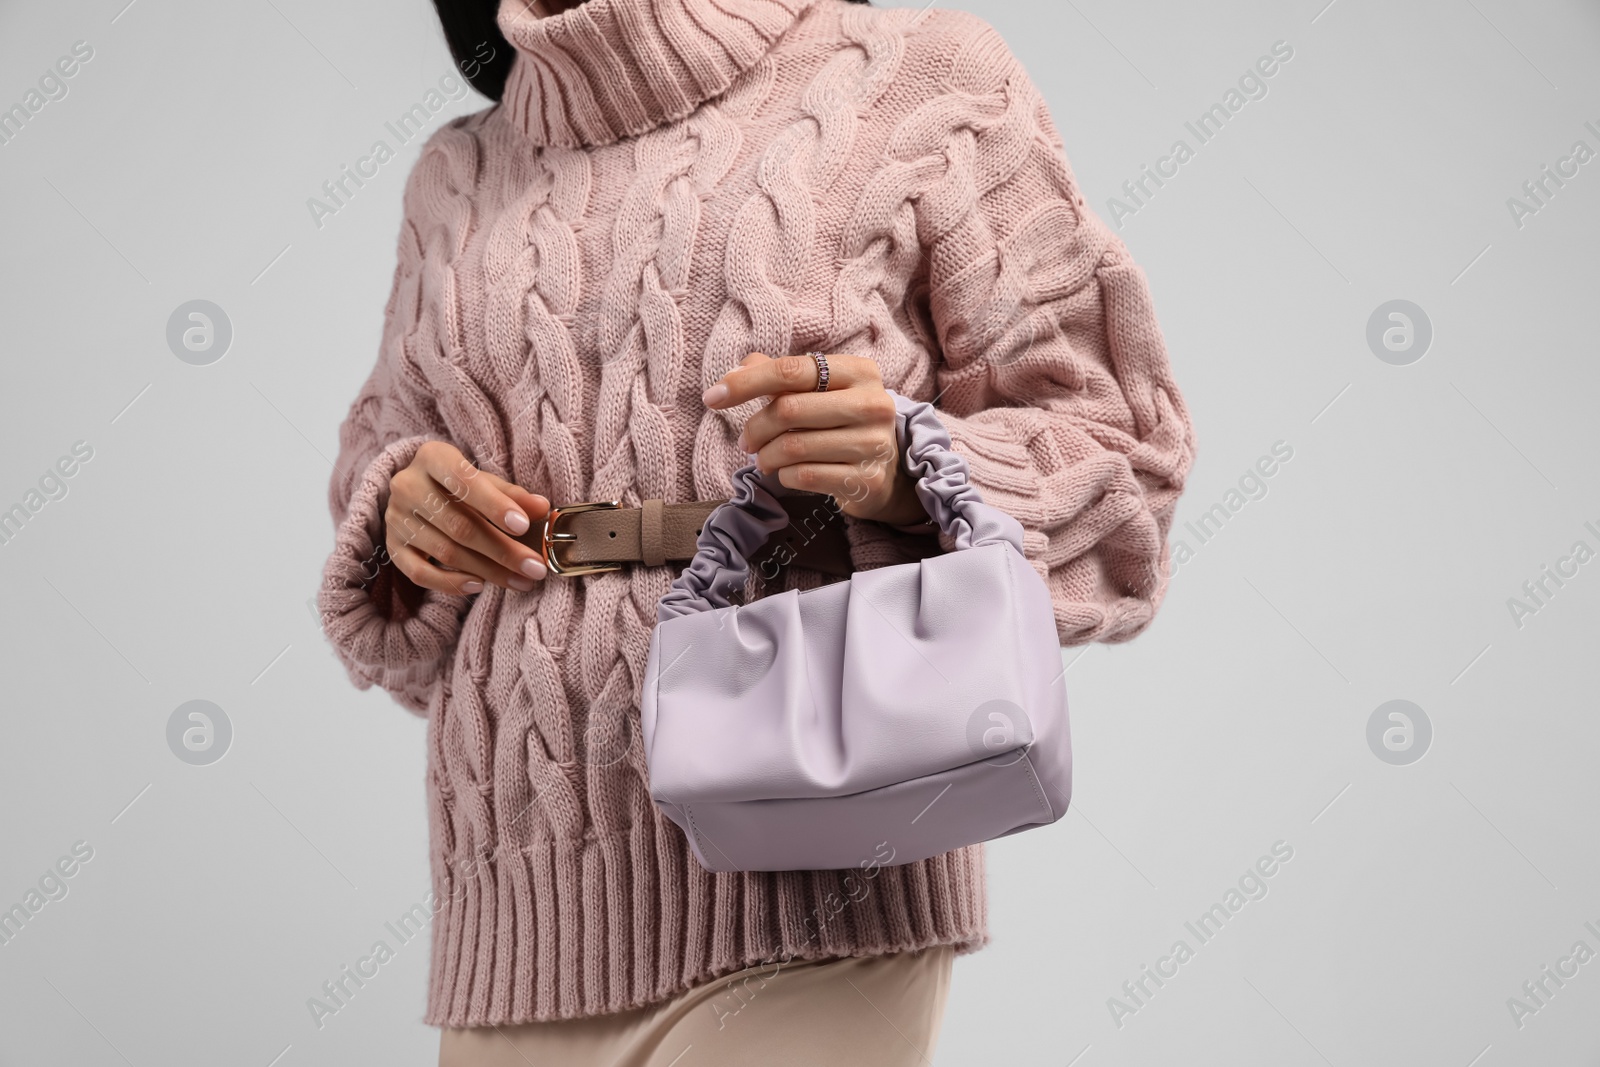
point(905, 712)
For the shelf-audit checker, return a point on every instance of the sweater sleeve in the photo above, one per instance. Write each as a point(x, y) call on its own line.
point(386, 629)
point(1053, 380)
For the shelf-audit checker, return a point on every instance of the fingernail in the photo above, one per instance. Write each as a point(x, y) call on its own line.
point(533, 568)
point(715, 395)
point(516, 522)
point(521, 585)
point(742, 446)
point(472, 587)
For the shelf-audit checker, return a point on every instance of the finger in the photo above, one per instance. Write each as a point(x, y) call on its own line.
point(471, 529)
point(416, 566)
point(787, 374)
point(862, 448)
point(417, 501)
point(451, 554)
point(483, 492)
point(534, 506)
point(843, 481)
point(817, 411)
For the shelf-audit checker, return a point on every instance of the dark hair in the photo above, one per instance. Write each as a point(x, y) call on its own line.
point(481, 51)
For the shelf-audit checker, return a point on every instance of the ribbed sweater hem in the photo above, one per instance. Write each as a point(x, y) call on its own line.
point(499, 960)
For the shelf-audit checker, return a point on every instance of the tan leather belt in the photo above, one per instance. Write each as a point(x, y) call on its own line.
point(601, 535)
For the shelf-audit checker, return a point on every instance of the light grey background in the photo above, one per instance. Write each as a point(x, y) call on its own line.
point(1379, 565)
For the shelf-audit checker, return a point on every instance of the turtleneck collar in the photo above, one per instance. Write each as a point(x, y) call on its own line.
point(608, 69)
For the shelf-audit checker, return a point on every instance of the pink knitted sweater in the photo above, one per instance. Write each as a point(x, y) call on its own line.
point(667, 186)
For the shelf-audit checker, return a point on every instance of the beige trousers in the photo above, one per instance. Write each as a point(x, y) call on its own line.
point(879, 1010)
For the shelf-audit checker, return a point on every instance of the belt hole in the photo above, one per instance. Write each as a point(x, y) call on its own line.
point(612, 533)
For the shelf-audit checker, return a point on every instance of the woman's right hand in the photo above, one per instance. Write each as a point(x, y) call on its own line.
point(443, 507)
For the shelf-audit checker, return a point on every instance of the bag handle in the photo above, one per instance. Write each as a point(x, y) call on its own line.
point(742, 524)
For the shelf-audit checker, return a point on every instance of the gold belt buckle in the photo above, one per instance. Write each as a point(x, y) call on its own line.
point(548, 539)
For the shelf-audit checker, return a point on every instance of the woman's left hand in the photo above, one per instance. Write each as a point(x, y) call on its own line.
point(841, 442)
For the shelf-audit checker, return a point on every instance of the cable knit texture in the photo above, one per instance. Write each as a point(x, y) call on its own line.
point(666, 186)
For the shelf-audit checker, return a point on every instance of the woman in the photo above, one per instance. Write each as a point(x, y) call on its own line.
point(608, 285)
